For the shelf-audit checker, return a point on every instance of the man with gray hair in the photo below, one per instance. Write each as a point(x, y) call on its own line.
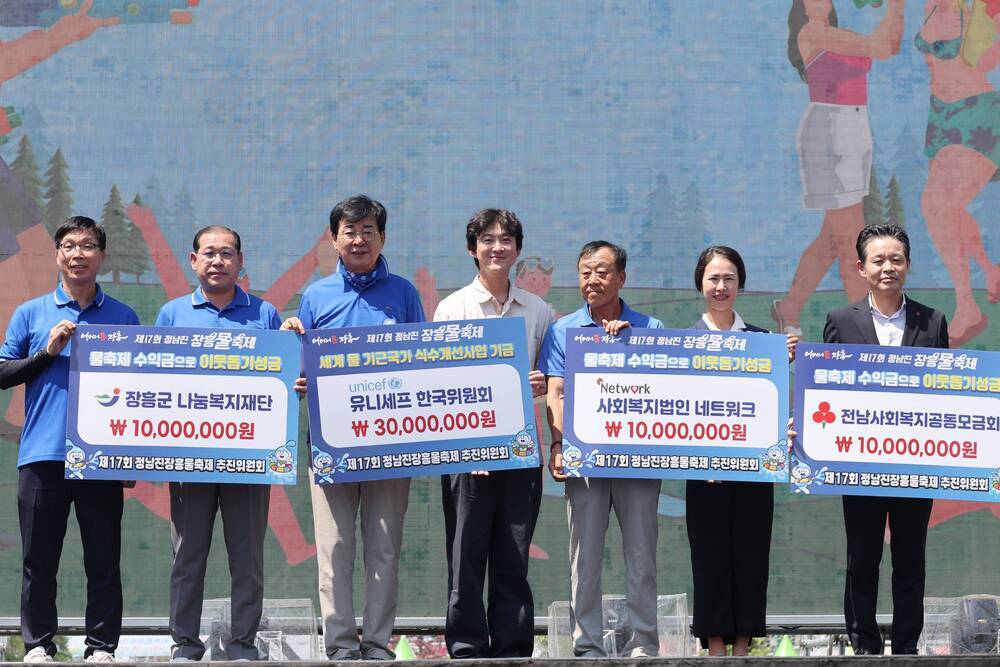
point(601, 272)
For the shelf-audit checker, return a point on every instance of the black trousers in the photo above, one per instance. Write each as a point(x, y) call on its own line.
point(489, 522)
point(864, 519)
point(729, 529)
point(193, 506)
point(43, 500)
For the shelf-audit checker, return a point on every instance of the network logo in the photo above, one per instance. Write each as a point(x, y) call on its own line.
point(108, 401)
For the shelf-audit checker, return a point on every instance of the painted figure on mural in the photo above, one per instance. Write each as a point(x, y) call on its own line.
point(534, 274)
point(963, 144)
point(834, 140)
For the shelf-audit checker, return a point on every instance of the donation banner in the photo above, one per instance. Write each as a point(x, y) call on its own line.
point(897, 421)
point(183, 405)
point(419, 399)
point(676, 403)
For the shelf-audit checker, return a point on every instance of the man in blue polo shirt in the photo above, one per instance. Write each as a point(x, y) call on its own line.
point(217, 303)
point(601, 271)
point(36, 352)
point(361, 292)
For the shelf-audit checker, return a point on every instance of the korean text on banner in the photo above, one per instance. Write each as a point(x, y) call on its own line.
point(183, 405)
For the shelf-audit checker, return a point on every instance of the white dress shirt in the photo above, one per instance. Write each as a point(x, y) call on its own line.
point(888, 328)
point(738, 323)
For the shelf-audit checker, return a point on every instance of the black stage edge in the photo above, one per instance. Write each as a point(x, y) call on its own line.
point(902, 661)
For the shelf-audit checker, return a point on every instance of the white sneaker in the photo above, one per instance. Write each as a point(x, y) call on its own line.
point(37, 654)
point(100, 656)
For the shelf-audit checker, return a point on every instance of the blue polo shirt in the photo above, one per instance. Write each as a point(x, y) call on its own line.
point(552, 358)
point(245, 311)
point(45, 398)
point(335, 302)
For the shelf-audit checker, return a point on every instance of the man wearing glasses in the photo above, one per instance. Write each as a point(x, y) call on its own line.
point(217, 303)
point(490, 517)
point(361, 292)
point(36, 352)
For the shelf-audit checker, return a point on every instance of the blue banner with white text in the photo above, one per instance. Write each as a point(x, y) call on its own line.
point(182, 405)
point(419, 399)
point(677, 404)
point(890, 421)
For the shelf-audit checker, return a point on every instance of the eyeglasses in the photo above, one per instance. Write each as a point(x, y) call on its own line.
point(368, 233)
point(532, 263)
point(87, 248)
point(226, 255)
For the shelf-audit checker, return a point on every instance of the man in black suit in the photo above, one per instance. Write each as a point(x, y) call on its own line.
point(885, 317)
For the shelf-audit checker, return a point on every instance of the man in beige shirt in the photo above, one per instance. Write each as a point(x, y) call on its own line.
point(490, 517)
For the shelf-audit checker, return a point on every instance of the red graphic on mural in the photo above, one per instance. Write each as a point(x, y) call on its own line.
point(20, 217)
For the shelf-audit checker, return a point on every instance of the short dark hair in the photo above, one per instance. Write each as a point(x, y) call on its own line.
point(355, 208)
point(196, 243)
point(81, 223)
point(486, 218)
point(621, 257)
point(875, 231)
point(725, 252)
point(797, 20)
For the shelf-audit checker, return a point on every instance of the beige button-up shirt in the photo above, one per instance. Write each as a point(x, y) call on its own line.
point(474, 302)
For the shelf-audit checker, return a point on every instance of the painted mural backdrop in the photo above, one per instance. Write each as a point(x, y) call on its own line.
point(662, 125)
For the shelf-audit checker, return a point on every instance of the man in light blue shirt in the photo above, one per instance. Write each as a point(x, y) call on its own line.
point(36, 352)
point(361, 292)
point(218, 302)
point(601, 271)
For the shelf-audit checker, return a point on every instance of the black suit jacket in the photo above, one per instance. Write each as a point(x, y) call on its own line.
point(924, 327)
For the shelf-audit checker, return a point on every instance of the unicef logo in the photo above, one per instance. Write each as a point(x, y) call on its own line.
point(370, 386)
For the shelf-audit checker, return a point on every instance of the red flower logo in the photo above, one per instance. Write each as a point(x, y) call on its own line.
point(824, 416)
